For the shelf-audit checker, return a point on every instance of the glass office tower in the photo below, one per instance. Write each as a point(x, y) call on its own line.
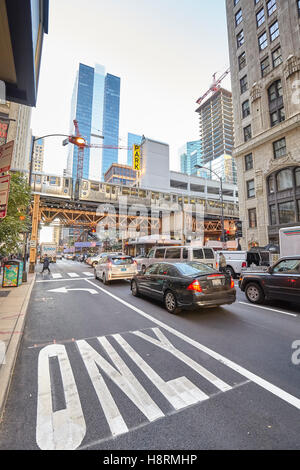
point(190, 155)
point(95, 105)
point(133, 139)
point(110, 121)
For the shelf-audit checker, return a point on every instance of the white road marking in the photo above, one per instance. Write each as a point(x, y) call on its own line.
point(56, 275)
point(282, 394)
point(62, 429)
point(73, 274)
point(123, 378)
point(87, 273)
point(180, 392)
point(64, 290)
point(64, 280)
point(268, 308)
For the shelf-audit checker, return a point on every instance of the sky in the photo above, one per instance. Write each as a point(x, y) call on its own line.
point(165, 53)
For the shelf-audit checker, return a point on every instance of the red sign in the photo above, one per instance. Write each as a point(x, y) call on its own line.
point(6, 152)
point(3, 131)
point(4, 193)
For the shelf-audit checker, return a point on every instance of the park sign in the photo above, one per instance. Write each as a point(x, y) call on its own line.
point(6, 152)
point(137, 157)
point(4, 193)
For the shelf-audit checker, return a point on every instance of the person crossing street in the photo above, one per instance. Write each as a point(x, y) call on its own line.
point(46, 264)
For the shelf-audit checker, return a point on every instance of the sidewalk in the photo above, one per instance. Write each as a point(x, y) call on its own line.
point(13, 308)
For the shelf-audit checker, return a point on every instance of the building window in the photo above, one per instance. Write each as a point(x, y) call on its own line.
point(247, 133)
point(277, 57)
point(250, 189)
point(277, 113)
point(263, 41)
point(277, 117)
point(252, 218)
point(297, 176)
point(279, 148)
point(246, 109)
point(285, 180)
point(273, 216)
point(271, 7)
point(242, 60)
point(235, 2)
point(287, 213)
point(248, 162)
point(244, 84)
point(265, 66)
point(274, 31)
point(260, 17)
point(240, 39)
point(238, 17)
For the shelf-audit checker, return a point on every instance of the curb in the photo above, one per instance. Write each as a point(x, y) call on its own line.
point(7, 369)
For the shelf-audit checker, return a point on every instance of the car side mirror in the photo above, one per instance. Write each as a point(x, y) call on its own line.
point(270, 270)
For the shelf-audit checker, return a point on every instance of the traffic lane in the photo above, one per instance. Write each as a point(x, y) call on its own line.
point(54, 315)
point(260, 340)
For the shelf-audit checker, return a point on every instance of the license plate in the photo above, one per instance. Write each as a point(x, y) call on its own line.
point(123, 269)
point(217, 282)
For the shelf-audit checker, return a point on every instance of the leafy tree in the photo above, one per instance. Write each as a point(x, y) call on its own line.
point(17, 220)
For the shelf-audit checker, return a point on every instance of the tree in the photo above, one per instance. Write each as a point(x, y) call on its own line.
point(17, 220)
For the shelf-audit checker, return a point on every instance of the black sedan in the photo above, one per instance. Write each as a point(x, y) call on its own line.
point(281, 282)
point(186, 285)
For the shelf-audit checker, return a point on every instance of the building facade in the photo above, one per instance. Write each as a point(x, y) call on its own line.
point(38, 155)
point(120, 174)
point(264, 44)
point(111, 121)
point(190, 155)
point(95, 105)
point(217, 135)
point(15, 125)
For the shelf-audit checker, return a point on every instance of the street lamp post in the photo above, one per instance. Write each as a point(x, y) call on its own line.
point(199, 167)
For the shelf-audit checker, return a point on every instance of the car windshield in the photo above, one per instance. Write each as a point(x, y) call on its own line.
point(124, 260)
point(194, 268)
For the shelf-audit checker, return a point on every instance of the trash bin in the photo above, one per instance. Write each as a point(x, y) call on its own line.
point(12, 273)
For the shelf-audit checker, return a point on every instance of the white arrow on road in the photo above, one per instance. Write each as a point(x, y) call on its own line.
point(64, 290)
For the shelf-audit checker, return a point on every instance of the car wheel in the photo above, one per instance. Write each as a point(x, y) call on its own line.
point(95, 274)
point(230, 271)
point(134, 289)
point(171, 303)
point(254, 293)
point(104, 280)
point(94, 264)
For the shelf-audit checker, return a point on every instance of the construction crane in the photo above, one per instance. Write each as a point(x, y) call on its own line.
point(81, 143)
point(215, 86)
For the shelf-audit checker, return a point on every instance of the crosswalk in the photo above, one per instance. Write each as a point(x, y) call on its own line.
point(71, 275)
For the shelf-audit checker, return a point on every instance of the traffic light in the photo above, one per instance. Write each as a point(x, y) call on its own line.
point(78, 141)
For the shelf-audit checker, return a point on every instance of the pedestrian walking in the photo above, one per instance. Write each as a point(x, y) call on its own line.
point(222, 263)
point(46, 264)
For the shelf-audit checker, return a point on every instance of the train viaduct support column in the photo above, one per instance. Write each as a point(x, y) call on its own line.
point(34, 232)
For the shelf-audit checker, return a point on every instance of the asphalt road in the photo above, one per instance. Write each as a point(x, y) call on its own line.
point(101, 369)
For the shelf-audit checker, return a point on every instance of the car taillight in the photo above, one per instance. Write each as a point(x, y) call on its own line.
point(195, 286)
point(217, 265)
point(231, 283)
point(244, 264)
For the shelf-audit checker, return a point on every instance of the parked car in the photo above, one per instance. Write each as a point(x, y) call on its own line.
point(185, 285)
point(113, 267)
point(94, 260)
point(175, 254)
point(281, 281)
point(69, 256)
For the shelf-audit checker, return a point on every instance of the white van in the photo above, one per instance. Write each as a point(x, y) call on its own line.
point(177, 254)
point(236, 261)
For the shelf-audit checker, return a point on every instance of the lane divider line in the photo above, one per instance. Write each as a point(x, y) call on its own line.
point(282, 394)
point(268, 308)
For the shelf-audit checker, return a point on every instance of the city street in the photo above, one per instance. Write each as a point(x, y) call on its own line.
point(100, 369)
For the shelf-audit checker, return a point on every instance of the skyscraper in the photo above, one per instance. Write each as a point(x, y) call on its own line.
point(216, 133)
point(190, 155)
point(38, 155)
point(111, 115)
point(133, 139)
point(264, 45)
point(95, 105)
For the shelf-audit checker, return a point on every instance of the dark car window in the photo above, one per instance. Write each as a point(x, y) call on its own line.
point(288, 266)
point(194, 269)
point(185, 253)
point(198, 253)
point(151, 254)
point(172, 272)
point(162, 270)
point(208, 253)
point(160, 253)
point(152, 269)
point(173, 253)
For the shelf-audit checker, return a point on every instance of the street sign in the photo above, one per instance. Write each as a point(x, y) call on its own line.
point(137, 157)
point(4, 194)
point(32, 243)
point(6, 152)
